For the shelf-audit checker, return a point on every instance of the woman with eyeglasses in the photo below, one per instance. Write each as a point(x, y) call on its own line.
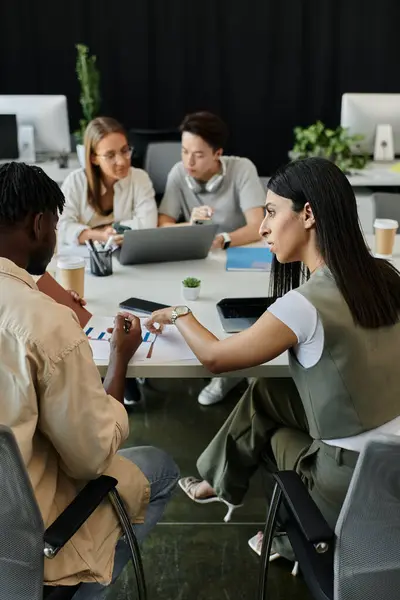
point(108, 191)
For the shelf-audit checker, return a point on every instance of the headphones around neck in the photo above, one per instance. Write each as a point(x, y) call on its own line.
point(212, 184)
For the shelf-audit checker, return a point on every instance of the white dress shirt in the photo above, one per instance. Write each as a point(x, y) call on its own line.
point(134, 205)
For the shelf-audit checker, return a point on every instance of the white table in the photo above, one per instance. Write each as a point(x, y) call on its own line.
point(51, 168)
point(162, 283)
point(376, 174)
point(373, 175)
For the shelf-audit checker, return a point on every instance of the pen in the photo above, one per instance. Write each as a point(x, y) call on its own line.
point(109, 243)
point(127, 325)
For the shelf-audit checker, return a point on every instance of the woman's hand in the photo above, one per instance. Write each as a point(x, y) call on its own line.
point(77, 298)
point(101, 235)
point(108, 232)
point(218, 242)
point(160, 317)
point(201, 213)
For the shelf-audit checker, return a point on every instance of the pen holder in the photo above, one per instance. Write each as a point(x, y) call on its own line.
point(101, 265)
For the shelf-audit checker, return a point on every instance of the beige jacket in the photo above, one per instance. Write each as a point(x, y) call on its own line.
point(67, 428)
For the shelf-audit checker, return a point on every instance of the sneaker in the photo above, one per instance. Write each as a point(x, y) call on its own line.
point(132, 392)
point(217, 389)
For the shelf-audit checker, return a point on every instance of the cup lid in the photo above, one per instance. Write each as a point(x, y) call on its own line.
point(386, 224)
point(70, 262)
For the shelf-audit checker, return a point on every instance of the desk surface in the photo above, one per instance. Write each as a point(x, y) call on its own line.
point(162, 283)
point(376, 174)
point(51, 168)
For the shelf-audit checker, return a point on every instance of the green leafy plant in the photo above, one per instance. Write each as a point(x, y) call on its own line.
point(335, 144)
point(191, 282)
point(89, 79)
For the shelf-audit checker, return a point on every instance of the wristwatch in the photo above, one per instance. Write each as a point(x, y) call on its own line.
point(179, 311)
point(227, 240)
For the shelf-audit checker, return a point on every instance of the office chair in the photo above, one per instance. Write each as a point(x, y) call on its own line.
point(24, 543)
point(141, 138)
point(159, 160)
point(360, 560)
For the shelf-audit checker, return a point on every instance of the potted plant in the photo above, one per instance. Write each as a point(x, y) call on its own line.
point(191, 288)
point(89, 79)
point(335, 144)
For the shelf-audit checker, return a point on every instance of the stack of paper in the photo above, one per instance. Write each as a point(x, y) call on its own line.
point(169, 346)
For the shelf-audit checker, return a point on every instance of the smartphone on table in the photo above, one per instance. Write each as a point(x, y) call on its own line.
point(144, 306)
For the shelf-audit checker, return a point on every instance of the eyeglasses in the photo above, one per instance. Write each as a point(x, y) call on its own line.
point(111, 156)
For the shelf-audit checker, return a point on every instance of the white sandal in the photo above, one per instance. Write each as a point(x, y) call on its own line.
point(189, 486)
point(255, 544)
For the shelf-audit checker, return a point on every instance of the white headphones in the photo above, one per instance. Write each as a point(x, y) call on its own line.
point(212, 184)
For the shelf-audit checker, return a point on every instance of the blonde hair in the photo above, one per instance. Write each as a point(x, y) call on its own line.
point(94, 133)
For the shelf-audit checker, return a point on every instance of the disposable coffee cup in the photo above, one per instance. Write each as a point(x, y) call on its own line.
point(385, 234)
point(71, 273)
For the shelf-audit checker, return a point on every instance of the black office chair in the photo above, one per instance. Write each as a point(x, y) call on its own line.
point(24, 543)
point(360, 560)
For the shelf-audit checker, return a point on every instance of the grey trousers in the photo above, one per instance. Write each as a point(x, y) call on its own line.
point(269, 421)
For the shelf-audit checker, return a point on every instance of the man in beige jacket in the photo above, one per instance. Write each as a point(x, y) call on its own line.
point(67, 425)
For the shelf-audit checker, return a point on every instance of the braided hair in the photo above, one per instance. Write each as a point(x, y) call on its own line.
point(26, 190)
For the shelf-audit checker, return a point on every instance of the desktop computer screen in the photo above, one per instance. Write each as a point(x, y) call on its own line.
point(8, 137)
point(48, 115)
point(363, 113)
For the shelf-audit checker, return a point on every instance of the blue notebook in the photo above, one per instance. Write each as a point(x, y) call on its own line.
point(248, 259)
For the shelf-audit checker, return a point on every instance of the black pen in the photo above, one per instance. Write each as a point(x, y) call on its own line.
point(127, 325)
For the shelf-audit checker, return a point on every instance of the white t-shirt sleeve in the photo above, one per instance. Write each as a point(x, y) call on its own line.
point(297, 313)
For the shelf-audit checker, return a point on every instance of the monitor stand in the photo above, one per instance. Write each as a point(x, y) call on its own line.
point(384, 146)
point(26, 144)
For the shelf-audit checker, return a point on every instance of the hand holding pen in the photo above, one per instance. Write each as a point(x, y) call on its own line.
point(126, 336)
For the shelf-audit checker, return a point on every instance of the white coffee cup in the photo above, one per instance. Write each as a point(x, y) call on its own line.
point(71, 273)
point(385, 234)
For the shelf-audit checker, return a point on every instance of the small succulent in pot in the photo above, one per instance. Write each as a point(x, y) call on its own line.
point(191, 288)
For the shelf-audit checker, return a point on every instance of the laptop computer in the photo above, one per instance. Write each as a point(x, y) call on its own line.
point(237, 314)
point(166, 244)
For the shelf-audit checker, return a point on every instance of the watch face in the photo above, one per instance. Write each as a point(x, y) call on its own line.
point(182, 310)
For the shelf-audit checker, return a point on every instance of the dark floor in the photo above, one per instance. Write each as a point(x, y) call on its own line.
point(192, 554)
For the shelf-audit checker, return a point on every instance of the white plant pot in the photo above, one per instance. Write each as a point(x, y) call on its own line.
point(190, 293)
point(80, 151)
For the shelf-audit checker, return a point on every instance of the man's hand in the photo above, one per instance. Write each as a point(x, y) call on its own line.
point(201, 213)
point(77, 298)
point(126, 337)
point(218, 242)
point(161, 317)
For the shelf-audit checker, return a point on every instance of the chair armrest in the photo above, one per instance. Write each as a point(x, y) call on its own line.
point(73, 517)
point(302, 507)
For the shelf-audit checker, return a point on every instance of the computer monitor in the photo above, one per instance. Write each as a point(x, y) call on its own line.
point(362, 113)
point(48, 115)
point(8, 137)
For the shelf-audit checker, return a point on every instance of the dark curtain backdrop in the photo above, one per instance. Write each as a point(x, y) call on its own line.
point(263, 65)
